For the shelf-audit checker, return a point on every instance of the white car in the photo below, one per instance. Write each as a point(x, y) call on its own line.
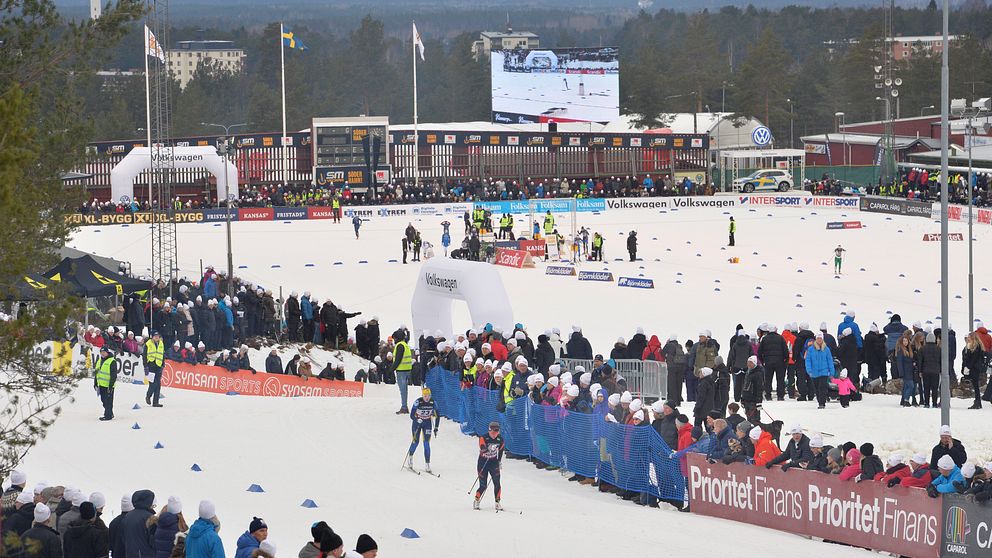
point(769, 180)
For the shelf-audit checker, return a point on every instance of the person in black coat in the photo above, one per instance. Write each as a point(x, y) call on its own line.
point(677, 360)
point(740, 351)
point(115, 536)
point(774, 353)
point(664, 424)
point(948, 445)
point(329, 317)
point(544, 356)
point(85, 537)
point(752, 389)
point(796, 454)
point(847, 353)
point(705, 396)
point(362, 339)
point(41, 541)
point(636, 346)
point(819, 451)
point(21, 518)
point(875, 354)
point(871, 465)
point(135, 531)
point(372, 337)
point(632, 247)
point(293, 316)
point(804, 384)
point(578, 347)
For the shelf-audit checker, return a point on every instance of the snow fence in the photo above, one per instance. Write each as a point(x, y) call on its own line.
point(632, 458)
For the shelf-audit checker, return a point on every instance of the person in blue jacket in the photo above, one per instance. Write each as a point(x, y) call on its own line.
point(306, 312)
point(849, 323)
point(248, 542)
point(949, 474)
point(210, 286)
point(226, 334)
point(820, 367)
point(166, 528)
point(203, 540)
point(893, 331)
point(356, 222)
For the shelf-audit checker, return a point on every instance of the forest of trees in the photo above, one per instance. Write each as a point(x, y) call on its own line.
point(796, 65)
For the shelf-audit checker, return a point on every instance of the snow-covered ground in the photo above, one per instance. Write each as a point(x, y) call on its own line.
point(345, 453)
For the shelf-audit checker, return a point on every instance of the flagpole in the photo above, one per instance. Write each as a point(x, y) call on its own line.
point(151, 171)
point(282, 60)
point(416, 135)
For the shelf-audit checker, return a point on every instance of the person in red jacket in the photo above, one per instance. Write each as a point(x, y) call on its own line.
point(921, 477)
point(984, 337)
point(895, 473)
point(764, 448)
point(653, 350)
point(499, 349)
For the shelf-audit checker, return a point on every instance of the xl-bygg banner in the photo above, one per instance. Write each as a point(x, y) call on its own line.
point(901, 520)
point(564, 85)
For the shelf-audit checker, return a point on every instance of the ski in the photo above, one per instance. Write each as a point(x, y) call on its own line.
point(436, 475)
point(414, 471)
point(504, 510)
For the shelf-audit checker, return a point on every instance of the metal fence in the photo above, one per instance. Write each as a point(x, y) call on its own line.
point(647, 379)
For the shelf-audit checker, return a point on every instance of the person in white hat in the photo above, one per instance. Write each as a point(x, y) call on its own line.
point(950, 473)
point(896, 470)
point(949, 446)
point(18, 481)
point(797, 453)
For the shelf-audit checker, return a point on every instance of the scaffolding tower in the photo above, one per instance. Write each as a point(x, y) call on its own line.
point(164, 250)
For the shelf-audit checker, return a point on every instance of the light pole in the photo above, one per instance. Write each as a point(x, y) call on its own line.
point(926, 108)
point(960, 109)
point(225, 148)
point(792, 141)
point(723, 96)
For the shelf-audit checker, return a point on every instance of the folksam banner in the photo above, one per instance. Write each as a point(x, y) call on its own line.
point(901, 520)
point(554, 205)
point(214, 379)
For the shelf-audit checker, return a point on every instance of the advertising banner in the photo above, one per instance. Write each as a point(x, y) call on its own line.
point(896, 206)
point(604, 276)
point(320, 212)
point(967, 527)
point(513, 258)
point(833, 225)
point(536, 248)
point(675, 202)
point(213, 379)
point(256, 214)
point(289, 213)
point(838, 202)
point(554, 205)
point(773, 200)
point(565, 270)
point(935, 237)
point(900, 520)
point(636, 282)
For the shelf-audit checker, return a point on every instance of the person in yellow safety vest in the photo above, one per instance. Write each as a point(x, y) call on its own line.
point(403, 363)
point(549, 223)
point(478, 215)
point(508, 376)
point(733, 230)
point(509, 227)
point(597, 247)
point(336, 209)
point(154, 358)
point(468, 373)
point(105, 380)
point(504, 225)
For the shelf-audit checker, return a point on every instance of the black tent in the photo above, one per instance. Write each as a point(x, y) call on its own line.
point(31, 287)
point(88, 278)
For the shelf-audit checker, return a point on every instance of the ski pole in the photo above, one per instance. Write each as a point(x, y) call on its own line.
point(479, 475)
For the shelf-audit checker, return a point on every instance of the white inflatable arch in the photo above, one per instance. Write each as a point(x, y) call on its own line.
point(196, 157)
point(443, 280)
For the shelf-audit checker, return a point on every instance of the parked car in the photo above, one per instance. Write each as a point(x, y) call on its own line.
point(768, 180)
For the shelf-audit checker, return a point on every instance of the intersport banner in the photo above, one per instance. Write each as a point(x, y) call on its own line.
point(213, 379)
point(904, 521)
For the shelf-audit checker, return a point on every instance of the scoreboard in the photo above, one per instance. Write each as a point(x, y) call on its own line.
point(351, 151)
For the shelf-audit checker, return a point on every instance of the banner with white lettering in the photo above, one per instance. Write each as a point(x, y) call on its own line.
point(901, 520)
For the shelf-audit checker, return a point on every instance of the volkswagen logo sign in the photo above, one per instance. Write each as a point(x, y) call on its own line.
point(125, 199)
point(761, 135)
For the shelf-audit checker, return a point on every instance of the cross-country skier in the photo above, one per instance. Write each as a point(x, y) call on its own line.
point(490, 459)
point(421, 413)
point(838, 258)
point(565, 81)
point(357, 222)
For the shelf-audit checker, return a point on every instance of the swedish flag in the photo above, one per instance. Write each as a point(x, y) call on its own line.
point(290, 41)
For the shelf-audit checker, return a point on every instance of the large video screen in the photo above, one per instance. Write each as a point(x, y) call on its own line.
point(561, 85)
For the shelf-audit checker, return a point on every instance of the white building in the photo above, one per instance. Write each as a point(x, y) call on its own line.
point(188, 55)
point(504, 40)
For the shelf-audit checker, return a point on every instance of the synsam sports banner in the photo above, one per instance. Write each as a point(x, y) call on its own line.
point(213, 379)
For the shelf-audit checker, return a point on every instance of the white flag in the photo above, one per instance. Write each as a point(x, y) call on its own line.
point(417, 42)
point(152, 48)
